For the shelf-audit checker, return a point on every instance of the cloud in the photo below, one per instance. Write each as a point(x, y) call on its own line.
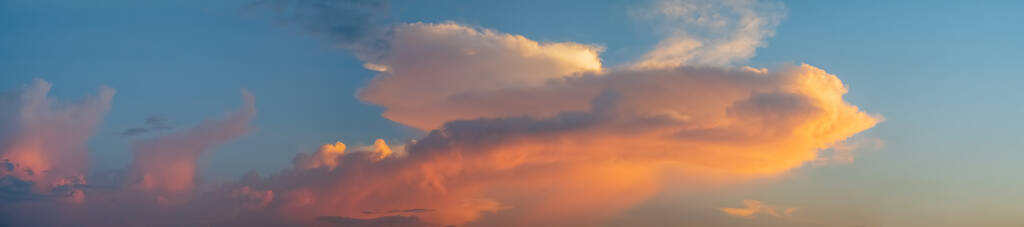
point(168, 163)
point(253, 199)
point(754, 208)
point(738, 112)
point(431, 65)
point(519, 132)
point(158, 188)
point(152, 124)
point(327, 156)
point(43, 140)
point(843, 152)
point(709, 32)
point(358, 25)
point(613, 134)
point(521, 128)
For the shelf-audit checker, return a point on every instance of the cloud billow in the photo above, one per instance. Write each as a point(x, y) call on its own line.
point(524, 131)
point(518, 132)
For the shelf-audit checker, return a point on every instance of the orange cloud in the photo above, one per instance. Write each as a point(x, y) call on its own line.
point(42, 141)
point(585, 166)
point(327, 156)
point(530, 133)
point(741, 113)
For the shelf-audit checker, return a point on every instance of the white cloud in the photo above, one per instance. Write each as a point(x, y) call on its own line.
point(709, 32)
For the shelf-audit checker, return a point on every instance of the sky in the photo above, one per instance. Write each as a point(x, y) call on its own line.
point(510, 113)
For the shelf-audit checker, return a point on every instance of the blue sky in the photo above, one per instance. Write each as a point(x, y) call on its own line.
point(944, 75)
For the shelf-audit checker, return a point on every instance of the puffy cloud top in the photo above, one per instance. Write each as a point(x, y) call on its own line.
point(432, 64)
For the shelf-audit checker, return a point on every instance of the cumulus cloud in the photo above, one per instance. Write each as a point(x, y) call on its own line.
point(327, 156)
point(43, 140)
point(168, 163)
point(593, 142)
point(434, 69)
point(500, 108)
point(542, 168)
point(520, 132)
point(796, 109)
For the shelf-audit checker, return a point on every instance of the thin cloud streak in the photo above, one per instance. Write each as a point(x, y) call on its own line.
point(754, 207)
point(152, 124)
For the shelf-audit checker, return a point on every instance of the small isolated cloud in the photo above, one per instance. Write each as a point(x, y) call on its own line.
point(152, 124)
point(754, 208)
point(358, 25)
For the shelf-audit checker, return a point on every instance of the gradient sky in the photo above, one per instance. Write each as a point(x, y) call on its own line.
point(943, 74)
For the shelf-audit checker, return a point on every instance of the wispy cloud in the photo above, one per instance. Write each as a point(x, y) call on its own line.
point(362, 26)
point(709, 32)
point(754, 207)
point(844, 152)
point(152, 124)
